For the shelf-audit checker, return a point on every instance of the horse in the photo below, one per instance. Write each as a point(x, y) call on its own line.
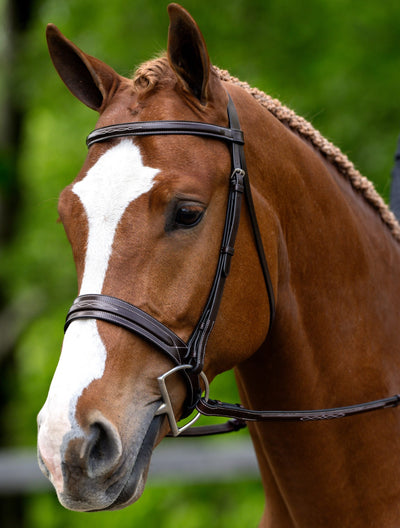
point(308, 317)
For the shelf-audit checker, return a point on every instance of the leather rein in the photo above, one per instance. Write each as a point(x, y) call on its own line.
point(188, 357)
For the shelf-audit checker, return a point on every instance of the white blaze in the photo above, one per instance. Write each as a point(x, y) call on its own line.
point(118, 178)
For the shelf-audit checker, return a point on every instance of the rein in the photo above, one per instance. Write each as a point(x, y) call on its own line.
point(188, 357)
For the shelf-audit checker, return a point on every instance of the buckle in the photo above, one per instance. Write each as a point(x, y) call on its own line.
point(237, 178)
point(166, 406)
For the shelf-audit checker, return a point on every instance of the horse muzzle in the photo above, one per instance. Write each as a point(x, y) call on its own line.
point(96, 468)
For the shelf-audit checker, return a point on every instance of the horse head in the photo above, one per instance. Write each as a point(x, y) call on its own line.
point(144, 218)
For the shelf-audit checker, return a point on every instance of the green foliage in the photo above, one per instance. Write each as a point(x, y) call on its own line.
point(236, 505)
point(337, 62)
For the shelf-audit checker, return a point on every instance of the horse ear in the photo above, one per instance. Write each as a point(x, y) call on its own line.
point(88, 79)
point(187, 52)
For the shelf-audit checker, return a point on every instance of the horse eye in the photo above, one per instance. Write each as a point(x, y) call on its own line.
point(188, 215)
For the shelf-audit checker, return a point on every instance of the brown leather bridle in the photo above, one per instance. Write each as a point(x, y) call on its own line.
point(188, 357)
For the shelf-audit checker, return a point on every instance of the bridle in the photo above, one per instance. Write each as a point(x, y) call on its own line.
point(188, 357)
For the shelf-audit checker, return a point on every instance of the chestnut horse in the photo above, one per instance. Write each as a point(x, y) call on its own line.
point(145, 217)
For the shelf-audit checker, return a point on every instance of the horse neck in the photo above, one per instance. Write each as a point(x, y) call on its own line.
point(334, 342)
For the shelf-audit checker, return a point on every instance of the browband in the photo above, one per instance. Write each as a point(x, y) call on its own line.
point(151, 128)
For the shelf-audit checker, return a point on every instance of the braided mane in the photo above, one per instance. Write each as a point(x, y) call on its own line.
point(326, 148)
point(151, 72)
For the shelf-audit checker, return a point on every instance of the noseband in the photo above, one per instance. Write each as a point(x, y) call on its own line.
point(188, 357)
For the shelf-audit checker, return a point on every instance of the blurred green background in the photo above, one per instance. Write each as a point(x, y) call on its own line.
point(336, 62)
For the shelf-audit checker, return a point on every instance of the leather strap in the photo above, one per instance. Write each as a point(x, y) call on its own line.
point(239, 159)
point(239, 185)
point(151, 128)
point(125, 315)
point(198, 341)
point(131, 318)
point(217, 408)
point(230, 426)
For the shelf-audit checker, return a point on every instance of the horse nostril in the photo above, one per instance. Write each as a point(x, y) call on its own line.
point(103, 448)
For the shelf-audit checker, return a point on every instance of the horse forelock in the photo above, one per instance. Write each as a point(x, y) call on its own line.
point(152, 73)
